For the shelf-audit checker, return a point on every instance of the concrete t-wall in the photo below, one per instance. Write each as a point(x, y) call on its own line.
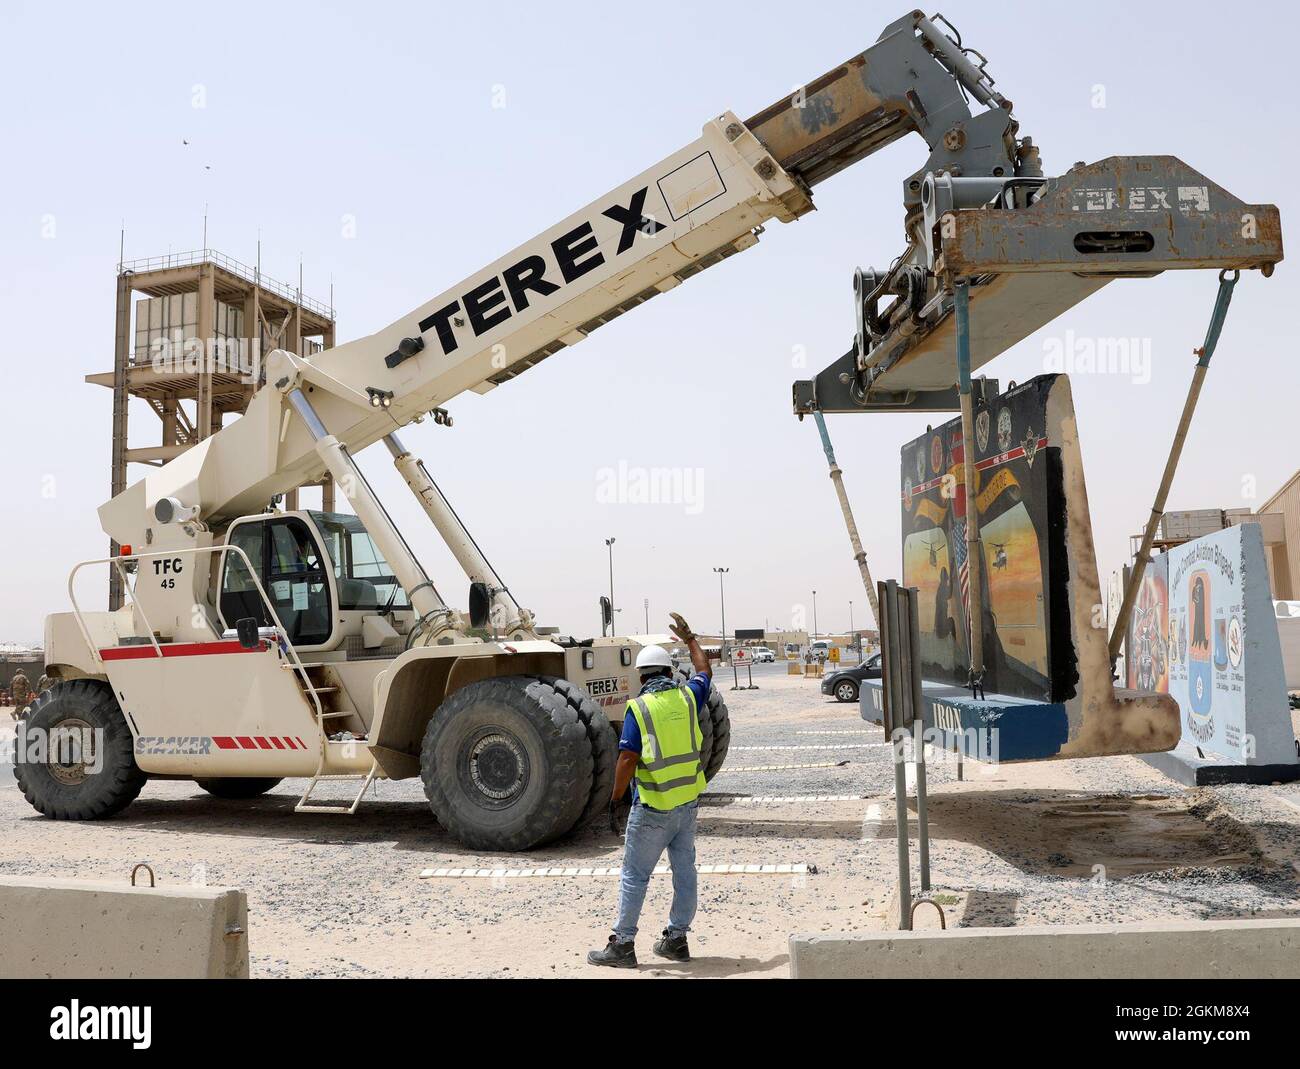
point(1235, 949)
point(82, 929)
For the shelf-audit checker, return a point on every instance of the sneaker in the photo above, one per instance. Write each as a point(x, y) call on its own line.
point(673, 947)
point(615, 954)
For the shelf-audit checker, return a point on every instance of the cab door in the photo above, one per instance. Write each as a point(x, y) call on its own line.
point(294, 572)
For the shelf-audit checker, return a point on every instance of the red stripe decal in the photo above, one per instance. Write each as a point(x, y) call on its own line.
point(225, 742)
point(278, 744)
point(245, 742)
point(300, 742)
point(175, 649)
point(263, 743)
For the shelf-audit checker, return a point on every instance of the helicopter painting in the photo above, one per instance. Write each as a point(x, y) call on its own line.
point(933, 545)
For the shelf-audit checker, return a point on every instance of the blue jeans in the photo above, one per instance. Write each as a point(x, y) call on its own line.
point(649, 833)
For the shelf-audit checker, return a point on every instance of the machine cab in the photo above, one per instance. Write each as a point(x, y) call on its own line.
point(321, 571)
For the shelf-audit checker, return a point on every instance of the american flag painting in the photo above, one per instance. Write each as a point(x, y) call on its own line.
point(963, 566)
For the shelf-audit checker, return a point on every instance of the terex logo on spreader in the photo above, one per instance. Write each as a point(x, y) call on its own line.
point(576, 253)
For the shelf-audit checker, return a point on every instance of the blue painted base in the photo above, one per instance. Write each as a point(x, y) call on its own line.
point(997, 728)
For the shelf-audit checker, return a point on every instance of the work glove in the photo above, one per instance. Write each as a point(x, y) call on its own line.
point(613, 818)
point(681, 628)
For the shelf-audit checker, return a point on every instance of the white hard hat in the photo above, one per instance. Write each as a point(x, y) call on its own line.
point(653, 657)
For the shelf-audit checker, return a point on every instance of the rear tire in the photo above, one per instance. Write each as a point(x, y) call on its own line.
point(61, 786)
point(233, 787)
point(507, 763)
point(715, 726)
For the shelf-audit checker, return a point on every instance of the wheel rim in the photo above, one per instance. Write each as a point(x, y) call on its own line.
point(72, 749)
point(494, 768)
point(844, 692)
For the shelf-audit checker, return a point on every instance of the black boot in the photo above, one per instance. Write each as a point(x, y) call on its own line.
point(615, 954)
point(673, 947)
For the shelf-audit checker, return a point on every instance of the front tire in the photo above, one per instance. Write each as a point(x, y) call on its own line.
point(846, 691)
point(507, 763)
point(237, 787)
point(88, 770)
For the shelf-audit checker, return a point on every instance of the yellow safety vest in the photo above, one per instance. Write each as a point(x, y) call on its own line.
point(669, 773)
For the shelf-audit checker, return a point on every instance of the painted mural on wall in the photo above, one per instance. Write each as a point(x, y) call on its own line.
point(1187, 638)
point(1020, 503)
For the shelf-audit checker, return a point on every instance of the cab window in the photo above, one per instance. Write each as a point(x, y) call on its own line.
point(364, 579)
point(293, 574)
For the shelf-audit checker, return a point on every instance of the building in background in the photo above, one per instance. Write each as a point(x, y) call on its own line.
point(1283, 551)
point(1280, 529)
point(190, 347)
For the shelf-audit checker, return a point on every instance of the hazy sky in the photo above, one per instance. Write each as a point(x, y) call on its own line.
point(383, 114)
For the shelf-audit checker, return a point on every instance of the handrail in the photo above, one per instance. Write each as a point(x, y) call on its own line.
point(286, 643)
point(248, 274)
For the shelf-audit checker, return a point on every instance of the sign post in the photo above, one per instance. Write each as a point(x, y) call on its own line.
point(741, 655)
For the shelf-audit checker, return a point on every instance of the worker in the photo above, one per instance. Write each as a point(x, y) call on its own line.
point(21, 692)
point(660, 748)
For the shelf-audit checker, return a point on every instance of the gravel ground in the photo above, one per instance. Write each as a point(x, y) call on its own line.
point(1056, 842)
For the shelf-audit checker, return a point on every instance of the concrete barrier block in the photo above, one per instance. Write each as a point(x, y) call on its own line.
point(81, 929)
point(1233, 949)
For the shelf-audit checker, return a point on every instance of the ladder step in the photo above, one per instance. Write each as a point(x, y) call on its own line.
point(341, 712)
point(321, 690)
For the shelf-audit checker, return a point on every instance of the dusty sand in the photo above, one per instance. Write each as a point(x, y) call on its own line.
point(1059, 842)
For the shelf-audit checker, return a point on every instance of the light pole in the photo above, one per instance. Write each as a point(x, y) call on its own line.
point(609, 543)
point(852, 637)
point(814, 616)
point(722, 595)
point(647, 616)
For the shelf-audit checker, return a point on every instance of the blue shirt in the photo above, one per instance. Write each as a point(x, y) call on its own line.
point(631, 739)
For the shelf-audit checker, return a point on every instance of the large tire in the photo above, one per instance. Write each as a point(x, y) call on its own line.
point(62, 787)
point(604, 748)
point(715, 727)
point(507, 763)
point(237, 787)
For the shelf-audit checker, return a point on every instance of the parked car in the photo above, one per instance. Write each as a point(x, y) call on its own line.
point(763, 655)
point(845, 684)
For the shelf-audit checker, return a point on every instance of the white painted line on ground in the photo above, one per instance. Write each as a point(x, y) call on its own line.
point(609, 870)
point(828, 746)
point(861, 731)
point(871, 822)
point(777, 799)
point(776, 768)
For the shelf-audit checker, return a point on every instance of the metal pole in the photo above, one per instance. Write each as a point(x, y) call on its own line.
point(974, 559)
point(914, 681)
point(814, 615)
point(647, 616)
point(837, 478)
point(893, 694)
point(722, 596)
point(1227, 279)
point(609, 544)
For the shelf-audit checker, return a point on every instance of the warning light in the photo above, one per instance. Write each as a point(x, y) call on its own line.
point(125, 551)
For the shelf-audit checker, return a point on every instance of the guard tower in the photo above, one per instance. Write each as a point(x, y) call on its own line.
point(192, 348)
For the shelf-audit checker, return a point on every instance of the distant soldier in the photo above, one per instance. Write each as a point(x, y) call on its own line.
point(21, 692)
point(43, 684)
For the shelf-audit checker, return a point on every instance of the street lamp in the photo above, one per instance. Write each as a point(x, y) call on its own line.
point(609, 543)
point(722, 649)
point(852, 636)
